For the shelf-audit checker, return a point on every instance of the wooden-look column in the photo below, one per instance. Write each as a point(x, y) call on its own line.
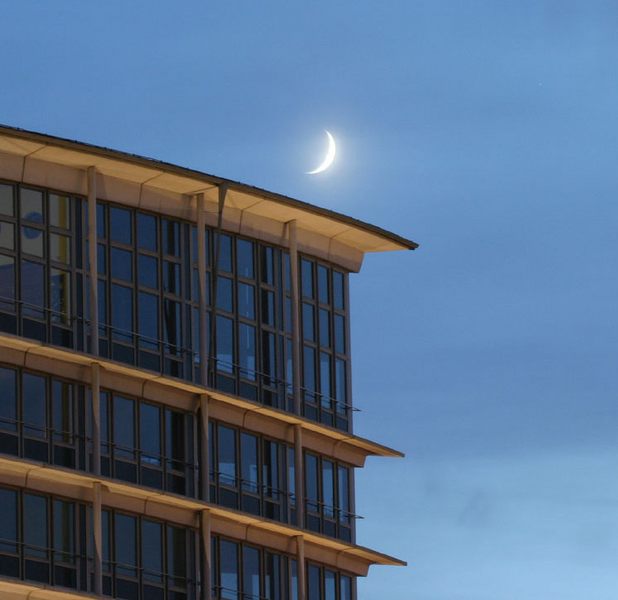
point(98, 538)
point(205, 448)
point(95, 391)
point(205, 528)
point(300, 559)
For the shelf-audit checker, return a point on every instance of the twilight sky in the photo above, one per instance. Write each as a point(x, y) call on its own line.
point(485, 131)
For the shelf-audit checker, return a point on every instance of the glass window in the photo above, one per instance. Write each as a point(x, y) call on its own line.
point(344, 493)
point(152, 551)
point(228, 562)
point(328, 487)
point(124, 426)
point(147, 232)
point(35, 526)
point(60, 296)
point(32, 288)
point(340, 386)
point(268, 308)
point(125, 537)
point(308, 329)
point(64, 531)
point(122, 311)
point(225, 252)
point(101, 259)
point(330, 589)
point(7, 235)
point(246, 302)
point(8, 522)
point(323, 289)
point(62, 411)
point(32, 241)
point(225, 345)
point(324, 328)
point(251, 573)
point(249, 456)
point(171, 278)
point(172, 326)
point(294, 579)
point(177, 555)
point(246, 347)
point(59, 211)
point(227, 456)
point(244, 258)
point(171, 237)
point(345, 584)
point(267, 265)
point(8, 399)
point(269, 358)
point(224, 294)
point(60, 248)
point(272, 577)
point(148, 320)
point(150, 434)
point(325, 379)
point(307, 278)
point(101, 213)
point(7, 282)
point(338, 292)
point(120, 229)
point(311, 476)
point(34, 405)
point(148, 270)
point(313, 583)
point(309, 372)
point(31, 205)
point(175, 438)
point(270, 468)
point(6, 200)
point(340, 334)
point(122, 264)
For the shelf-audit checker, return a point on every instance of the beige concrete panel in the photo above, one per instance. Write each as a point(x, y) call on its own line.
point(228, 528)
point(119, 382)
point(259, 227)
point(18, 146)
point(117, 190)
point(160, 511)
point(17, 590)
point(11, 166)
point(268, 539)
point(39, 359)
point(345, 256)
point(55, 176)
point(224, 412)
point(179, 206)
point(165, 394)
point(178, 184)
point(12, 356)
point(13, 474)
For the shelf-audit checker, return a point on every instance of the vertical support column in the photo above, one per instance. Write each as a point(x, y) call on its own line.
point(201, 266)
point(95, 391)
point(300, 559)
point(205, 528)
point(98, 539)
point(299, 476)
point(295, 315)
point(92, 259)
point(205, 448)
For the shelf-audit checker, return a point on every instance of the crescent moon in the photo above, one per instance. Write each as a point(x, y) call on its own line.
point(329, 158)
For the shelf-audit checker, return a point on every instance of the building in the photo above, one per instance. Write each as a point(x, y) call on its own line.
point(175, 402)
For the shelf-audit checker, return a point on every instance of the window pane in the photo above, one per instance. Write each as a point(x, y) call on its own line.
point(309, 373)
point(171, 278)
point(171, 237)
point(267, 267)
point(227, 456)
point(307, 278)
point(122, 312)
point(313, 583)
point(177, 554)
point(311, 476)
point(152, 551)
point(246, 302)
point(7, 283)
point(34, 405)
point(32, 241)
point(120, 225)
point(7, 235)
point(62, 411)
point(125, 545)
point(64, 531)
point(225, 252)
point(338, 290)
point(148, 271)
point(272, 577)
point(225, 345)
point(340, 334)
point(32, 288)
point(323, 287)
point(8, 400)
point(324, 328)
point(308, 329)
point(6, 200)
point(229, 569)
point(147, 232)
point(246, 346)
point(329, 585)
point(31, 205)
point(269, 357)
point(60, 248)
point(35, 525)
point(328, 488)
point(345, 588)
point(344, 494)
point(340, 386)
point(148, 305)
point(325, 379)
point(150, 434)
point(175, 439)
point(268, 308)
point(224, 294)
point(59, 211)
point(8, 520)
point(101, 214)
point(172, 326)
point(124, 427)
point(270, 469)
point(60, 296)
point(249, 457)
point(244, 259)
point(251, 573)
point(122, 264)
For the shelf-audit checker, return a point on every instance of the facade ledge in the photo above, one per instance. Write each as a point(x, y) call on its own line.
point(17, 590)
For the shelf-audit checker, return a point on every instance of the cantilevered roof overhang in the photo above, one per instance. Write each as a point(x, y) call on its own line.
point(30, 157)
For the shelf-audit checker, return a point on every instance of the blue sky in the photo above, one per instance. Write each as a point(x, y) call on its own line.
point(485, 131)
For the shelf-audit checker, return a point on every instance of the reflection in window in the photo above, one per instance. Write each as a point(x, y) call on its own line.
point(120, 229)
point(228, 565)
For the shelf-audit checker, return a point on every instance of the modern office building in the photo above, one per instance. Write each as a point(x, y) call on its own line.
point(176, 417)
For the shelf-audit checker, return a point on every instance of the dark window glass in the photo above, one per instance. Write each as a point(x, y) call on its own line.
point(171, 278)
point(148, 320)
point(171, 237)
point(62, 411)
point(32, 288)
point(175, 438)
point(122, 311)
point(101, 221)
point(345, 584)
point(7, 282)
point(148, 270)
point(307, 278)
point(338, 293)
point(309, 372)
point(269, 366)
point(6, 200)
point(323, 290)
point(268, 307)
point(270, 468)
point(325, 379)
point(340, 385)
point(225, 345)
point(328, 488)
point(308, 329)
point(268, 270)
point(224, 294)
point(152, 551)
point(272, 577)
point(311, 476)
point(125, 533)
point(60, 296)
point(251, 573)
point(60, 248)
point(249, 458)
point(120, 225)
point(246, 301)
point(122, 264)
point(294, 579)
point(101, 259)
point(35, 526)
point(227, 456)
point(59, 211)
point(177, 554)
point(150, 434)
point(324, 328)
point(228, 562)
point(31, 205)
point(313, 583)
point(124, 426)
point(340, 334)
point(32, 241)
point(330, 589)
point(246, 347)
point(64, 531)
point(7, 235)
point(34, 405)
point(343, 482)
point(225, 253)
point(147, 232)
point(8, 399)
point(244, 258)
point(8, 521)
point(172, 326)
